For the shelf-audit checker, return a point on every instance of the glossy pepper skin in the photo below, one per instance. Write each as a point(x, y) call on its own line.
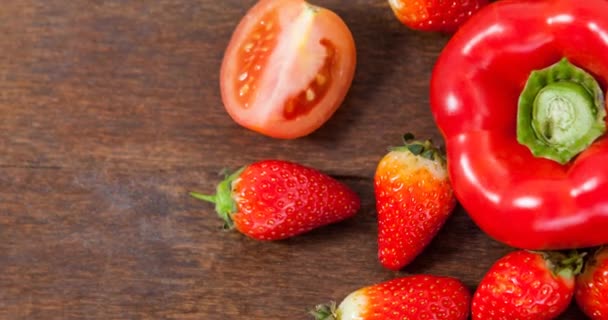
point(513, 196)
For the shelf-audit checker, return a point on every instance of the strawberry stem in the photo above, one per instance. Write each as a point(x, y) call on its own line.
point(204, 197)
point(325, 311)
point(425, 148)
point(225, 206)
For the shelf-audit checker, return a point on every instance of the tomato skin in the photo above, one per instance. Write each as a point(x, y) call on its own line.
point(302, 74)
point(520, 200)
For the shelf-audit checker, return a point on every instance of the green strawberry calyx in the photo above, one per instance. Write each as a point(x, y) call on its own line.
point(325, 312)
point(565, 265)
point(424, 149)
point(225, 205)
point(596, 256)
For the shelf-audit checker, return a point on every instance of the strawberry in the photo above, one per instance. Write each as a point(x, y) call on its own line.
point(414, 198)
point(274, 199)
point(527, 285)
point(591, 292)
point(435, 15)
point(411, 297)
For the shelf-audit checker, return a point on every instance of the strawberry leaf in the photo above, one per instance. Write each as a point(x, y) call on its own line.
point(325, 311)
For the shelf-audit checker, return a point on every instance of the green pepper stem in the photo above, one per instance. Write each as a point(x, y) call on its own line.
point(561, 112)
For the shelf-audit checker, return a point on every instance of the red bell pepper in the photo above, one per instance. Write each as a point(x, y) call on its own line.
point(518, 95)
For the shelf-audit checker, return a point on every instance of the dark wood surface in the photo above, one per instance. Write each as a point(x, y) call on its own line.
point(110, 113)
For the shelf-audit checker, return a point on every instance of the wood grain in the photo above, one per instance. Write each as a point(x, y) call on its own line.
point(110, 113)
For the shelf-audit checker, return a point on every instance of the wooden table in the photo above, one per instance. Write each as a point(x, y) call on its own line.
point(110, 113)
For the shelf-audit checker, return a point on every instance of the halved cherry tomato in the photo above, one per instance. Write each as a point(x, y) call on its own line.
point(287, 68)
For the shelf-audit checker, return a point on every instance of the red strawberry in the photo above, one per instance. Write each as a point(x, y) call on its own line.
point(414, 297)
point(414, 198)
point(592, 286)
point(435, 15)
point(273, 199)
point(527, 285)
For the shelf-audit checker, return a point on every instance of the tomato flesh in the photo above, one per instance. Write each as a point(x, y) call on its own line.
point(310, 97)
point(287, 68)
point(253, 55)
